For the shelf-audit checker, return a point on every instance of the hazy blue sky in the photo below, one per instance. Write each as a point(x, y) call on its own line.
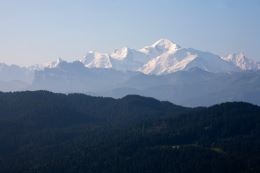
point(37, 31)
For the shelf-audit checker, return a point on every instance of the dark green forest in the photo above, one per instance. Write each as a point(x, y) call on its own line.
point(44, 132)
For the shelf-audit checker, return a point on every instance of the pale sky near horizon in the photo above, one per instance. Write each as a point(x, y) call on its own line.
point(39, 31)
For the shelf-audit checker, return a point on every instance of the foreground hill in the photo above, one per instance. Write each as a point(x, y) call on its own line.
point(46, 132)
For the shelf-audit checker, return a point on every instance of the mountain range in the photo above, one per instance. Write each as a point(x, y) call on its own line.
point(163, 70)
point(165, 57)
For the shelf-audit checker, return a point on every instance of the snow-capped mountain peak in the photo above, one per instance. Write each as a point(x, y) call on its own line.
point(241, 61)
point(159, 47)
point(54, 64)
point(120, 54)
point(127, 59)
point(184, 59)
point(96, 60)
point(162, 57)
point(165, 44)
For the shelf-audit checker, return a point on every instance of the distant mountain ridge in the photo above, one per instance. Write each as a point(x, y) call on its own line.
point(241, 61)
point(164, 70)
point(165, 57)
point(162, 57)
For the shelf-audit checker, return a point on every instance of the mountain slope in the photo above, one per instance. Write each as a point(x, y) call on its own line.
point(124, 59)
point(185, 59)
point(75, 77)
point(127, 59)
point(96, 60)
point(15, 73)
point(194, 87)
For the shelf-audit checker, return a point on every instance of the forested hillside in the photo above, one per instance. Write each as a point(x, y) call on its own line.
point(44, 132)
